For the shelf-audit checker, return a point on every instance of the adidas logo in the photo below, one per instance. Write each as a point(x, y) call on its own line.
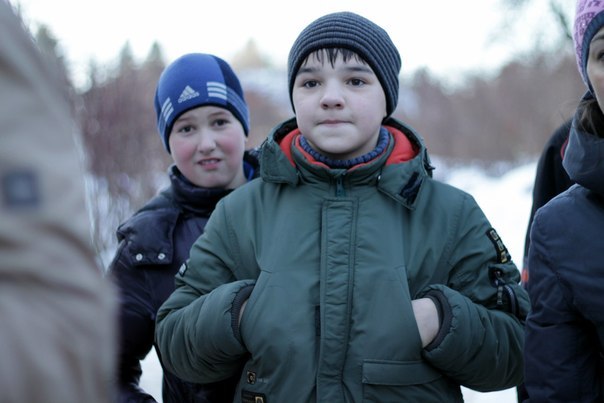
point(187, 94)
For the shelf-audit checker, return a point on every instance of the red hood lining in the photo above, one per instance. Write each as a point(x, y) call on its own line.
point(403, 148)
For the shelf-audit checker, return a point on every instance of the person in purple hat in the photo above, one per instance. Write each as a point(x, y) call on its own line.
point(564, 348)
point(203, 121)
point(347, 273)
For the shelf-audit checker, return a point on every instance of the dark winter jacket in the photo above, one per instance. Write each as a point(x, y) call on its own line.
point(153, 244)
point(331, 260)
point(565, 329)
point(551, 179)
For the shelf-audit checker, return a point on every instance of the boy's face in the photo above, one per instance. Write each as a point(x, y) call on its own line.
point(207, 145)
point(339, 108)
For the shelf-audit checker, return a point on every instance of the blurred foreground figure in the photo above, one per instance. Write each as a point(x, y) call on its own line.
point(57, 340)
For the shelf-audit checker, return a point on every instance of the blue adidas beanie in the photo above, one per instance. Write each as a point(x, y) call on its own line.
point(194, 80)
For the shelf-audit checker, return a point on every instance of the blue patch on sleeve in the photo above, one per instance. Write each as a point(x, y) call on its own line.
point(20, 189)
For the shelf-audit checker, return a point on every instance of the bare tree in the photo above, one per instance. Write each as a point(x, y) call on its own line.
point(125, 154)
point(560, 11)
point(506, 117)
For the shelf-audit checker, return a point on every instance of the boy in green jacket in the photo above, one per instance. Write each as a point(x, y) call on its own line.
point(346, 273)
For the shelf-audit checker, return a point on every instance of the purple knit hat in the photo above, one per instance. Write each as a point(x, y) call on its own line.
point(588, 21)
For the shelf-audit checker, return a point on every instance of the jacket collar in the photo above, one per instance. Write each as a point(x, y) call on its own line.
point(398, 173)
point(192, 198)
point(584, 157)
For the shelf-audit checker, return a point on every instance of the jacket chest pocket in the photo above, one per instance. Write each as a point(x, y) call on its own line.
point(383, 322)
point(406, 381)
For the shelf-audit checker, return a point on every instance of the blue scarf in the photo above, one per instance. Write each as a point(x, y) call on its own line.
point(345, 164)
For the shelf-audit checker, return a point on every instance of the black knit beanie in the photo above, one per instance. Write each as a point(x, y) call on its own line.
point(356, 33)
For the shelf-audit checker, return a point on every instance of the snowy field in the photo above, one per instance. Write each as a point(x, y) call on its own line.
point(506, 201)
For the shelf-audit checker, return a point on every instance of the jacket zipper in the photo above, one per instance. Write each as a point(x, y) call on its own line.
point(340, 191)
point(503, 287)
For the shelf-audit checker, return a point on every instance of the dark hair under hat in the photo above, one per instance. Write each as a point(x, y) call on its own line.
point(356, 33)
point(193, 80)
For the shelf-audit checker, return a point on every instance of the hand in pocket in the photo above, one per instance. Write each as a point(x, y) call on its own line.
point(426, 316)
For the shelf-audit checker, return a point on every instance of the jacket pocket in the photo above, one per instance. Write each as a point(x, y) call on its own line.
point(401, 373)
point(406, 381)
point(249, 313)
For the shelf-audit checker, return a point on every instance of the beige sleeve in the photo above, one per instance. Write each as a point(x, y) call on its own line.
point(57, 342)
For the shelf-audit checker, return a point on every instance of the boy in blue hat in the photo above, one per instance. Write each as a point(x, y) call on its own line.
point(347, 273)
point(203, 121)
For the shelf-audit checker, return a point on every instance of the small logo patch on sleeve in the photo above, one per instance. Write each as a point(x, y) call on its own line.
point(183, 269)
point(252, 397)
point(503, 256)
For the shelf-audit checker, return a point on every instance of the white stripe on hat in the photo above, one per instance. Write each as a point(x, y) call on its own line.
point(167, 109)
point(217, 90)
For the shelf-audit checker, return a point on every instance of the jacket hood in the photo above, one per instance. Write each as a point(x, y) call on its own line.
point(584, 157)
point(399, 179)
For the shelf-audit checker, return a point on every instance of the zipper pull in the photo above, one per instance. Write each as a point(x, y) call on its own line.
point(499, 283)
point(340, 191)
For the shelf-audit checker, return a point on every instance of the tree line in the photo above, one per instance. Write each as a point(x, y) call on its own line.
point(505, 116)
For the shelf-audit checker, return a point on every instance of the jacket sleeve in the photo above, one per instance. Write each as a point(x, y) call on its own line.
point(558, 339)
point(551, 179)
point(481, 339)
point(197, 327)
point(136, 321)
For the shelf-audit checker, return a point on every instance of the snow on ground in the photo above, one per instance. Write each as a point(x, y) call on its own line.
point(506, 201)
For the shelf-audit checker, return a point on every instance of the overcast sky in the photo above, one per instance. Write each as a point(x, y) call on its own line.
point(447, 37)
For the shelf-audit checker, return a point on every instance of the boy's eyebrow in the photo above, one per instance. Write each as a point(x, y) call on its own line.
point(307, 70)
point(361, 68)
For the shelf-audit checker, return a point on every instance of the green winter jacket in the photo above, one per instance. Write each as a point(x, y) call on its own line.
point(330, 260)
